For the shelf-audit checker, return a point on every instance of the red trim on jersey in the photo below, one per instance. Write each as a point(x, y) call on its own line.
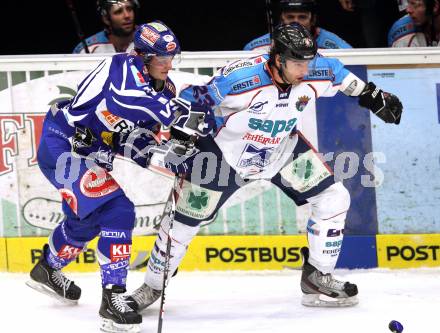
point(253, 98)
point(314, 90)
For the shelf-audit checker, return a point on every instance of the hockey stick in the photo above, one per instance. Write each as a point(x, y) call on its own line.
point(178, 181)
point(269, 18)
point(141, 260)
point(78, 29)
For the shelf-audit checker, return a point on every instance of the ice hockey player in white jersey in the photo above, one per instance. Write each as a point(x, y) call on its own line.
point(259, 102)
point(420, 27)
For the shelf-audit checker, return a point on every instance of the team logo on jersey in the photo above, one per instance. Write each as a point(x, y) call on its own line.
point(272, 126)
point(258, 106)
point(171, 87)
point(302, 103)
point(321, 74)
point(284, 94)
point(97, 183)
point(198, 201)
point(252, 156)
point(246, 84)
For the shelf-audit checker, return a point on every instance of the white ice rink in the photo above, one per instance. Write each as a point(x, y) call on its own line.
point(230, 302)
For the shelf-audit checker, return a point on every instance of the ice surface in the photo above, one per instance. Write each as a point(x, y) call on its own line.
point(230, 302)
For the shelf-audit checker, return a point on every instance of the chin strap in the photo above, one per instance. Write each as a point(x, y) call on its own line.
point(281, 74)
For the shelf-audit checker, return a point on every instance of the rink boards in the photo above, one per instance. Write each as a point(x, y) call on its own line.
point(249, 252)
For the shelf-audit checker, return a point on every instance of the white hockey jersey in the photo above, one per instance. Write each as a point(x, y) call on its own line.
point(256, 117)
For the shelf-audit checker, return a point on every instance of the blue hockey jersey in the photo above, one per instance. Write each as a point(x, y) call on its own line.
point(115, 97)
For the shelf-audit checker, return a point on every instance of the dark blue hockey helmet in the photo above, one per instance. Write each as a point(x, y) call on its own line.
point(155, 39)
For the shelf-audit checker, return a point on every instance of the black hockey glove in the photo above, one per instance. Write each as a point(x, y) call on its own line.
point(384, 105)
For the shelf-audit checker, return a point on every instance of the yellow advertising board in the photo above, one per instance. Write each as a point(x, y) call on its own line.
point(3, 256)
point(205, 253)
point(407, 251)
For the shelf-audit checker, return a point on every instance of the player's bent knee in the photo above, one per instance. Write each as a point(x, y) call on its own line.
point(331, 204)
point(117, 213)
point(196, 204)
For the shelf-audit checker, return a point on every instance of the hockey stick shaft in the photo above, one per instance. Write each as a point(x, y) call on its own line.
point(78, 29)
point(269, 18)
point(174, 197)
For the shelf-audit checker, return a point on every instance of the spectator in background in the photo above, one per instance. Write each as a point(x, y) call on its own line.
point(118, 17)
point(420, 27)
point(376, 16)
point(304, 13)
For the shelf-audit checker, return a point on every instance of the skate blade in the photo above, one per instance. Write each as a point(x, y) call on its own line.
point(110, 326)
point(320, 300)
point(40, 287)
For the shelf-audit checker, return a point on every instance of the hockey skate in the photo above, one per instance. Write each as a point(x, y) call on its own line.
point(53, 282)
point(117, 316)
point(323, 290)
point(143, 297)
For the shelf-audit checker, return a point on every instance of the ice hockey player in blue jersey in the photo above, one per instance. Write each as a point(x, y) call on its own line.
point(259, 102)
point(119, 19)
point(80, 138)
point(304, 13)
point(420, 27)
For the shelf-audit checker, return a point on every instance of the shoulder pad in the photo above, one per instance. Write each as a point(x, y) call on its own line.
point(400, 28)
point(329, 40)
point(245, 84)
point(98, 38)
point(241, 65)
point(323, 68)
point(258, 42)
